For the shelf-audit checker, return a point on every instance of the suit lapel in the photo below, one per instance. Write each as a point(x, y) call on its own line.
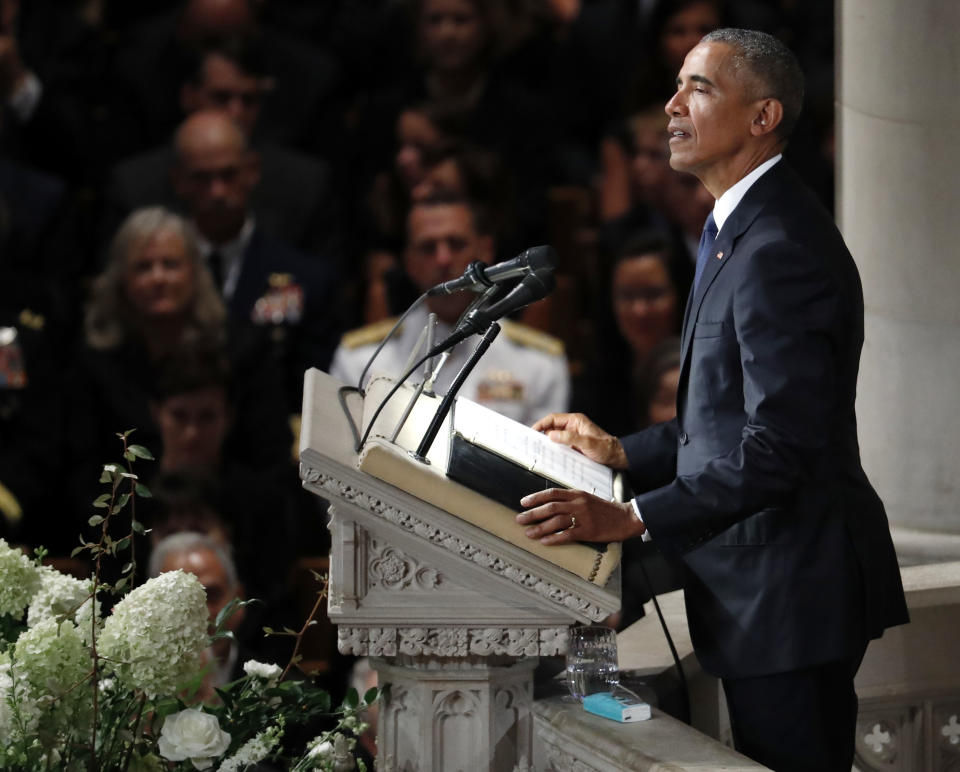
point(723, 250)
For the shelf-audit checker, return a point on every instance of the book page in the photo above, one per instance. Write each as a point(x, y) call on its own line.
point(530, 449)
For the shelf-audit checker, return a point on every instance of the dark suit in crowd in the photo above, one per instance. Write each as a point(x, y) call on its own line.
point(294, 296)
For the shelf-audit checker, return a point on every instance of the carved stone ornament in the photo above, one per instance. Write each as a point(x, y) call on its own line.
point(438, 536)
point(452, 641)
point(392, 569)
point(560, 760)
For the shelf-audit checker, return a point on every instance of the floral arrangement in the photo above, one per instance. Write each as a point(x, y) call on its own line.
point(84, 691)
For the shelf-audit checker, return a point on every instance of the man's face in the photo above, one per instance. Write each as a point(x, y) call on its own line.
point(203, 564)
point(442, 242)
point(216, 181)
point(451, 33)
point(192, 428)
point(710, 114)
point(224, 86)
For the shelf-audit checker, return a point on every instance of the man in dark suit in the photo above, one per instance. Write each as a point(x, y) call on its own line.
point(756, 486)
point(263, 280)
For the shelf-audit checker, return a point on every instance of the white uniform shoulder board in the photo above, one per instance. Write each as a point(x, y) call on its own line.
point(532, 338)
point(370, 333)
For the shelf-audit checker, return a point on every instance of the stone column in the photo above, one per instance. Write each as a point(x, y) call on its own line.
point(899, 209)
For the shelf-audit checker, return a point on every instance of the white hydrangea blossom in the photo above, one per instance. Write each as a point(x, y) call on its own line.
point(60, 595)
point(267, 672)
point(157, 634)
point(16, 691)
point(253, 751)
point(19, 580)
point(52, 656)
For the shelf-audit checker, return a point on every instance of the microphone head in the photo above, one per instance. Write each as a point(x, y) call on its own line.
point(541, 259)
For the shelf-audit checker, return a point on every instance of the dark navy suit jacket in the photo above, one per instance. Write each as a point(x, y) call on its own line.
point(301, 340)
point(757, 484)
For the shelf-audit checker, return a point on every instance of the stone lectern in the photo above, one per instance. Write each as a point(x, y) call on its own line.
point(439, 587)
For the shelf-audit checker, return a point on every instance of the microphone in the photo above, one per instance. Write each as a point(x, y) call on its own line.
point(480, 276)
point(534, 286)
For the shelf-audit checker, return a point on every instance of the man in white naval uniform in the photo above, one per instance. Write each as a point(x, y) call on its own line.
point(524, 373)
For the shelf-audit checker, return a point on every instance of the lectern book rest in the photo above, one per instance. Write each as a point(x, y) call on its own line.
point(479, 467)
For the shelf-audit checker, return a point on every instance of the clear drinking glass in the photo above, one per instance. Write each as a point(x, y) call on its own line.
point(592, 661)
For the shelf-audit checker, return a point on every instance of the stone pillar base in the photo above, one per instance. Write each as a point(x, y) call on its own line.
point(441, 714)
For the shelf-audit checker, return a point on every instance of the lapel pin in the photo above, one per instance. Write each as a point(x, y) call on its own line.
point(719, 255)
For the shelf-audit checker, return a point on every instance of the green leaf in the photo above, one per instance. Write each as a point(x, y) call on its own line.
point(77, 550)
point(103, 500)
point(140, 452)
point(352, 699)
point(123, 543)
point(95, 520)
point(143, 491)
point(137, 527)
point(370, 697)
point(122, 502)
point(109, 472)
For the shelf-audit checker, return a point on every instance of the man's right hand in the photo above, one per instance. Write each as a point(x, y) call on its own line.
point(582, 434)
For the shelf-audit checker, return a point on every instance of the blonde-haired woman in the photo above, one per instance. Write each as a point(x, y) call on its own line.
point(156, 298)
point(155, 288)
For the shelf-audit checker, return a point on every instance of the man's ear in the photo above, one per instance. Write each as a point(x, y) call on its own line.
point(768, 116)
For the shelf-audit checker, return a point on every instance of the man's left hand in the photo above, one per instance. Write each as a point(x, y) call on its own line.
point(561, 516)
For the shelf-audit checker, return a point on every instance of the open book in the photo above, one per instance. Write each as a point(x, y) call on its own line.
point(483, 440)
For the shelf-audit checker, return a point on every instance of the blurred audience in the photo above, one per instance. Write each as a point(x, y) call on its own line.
point(154, 299)
point(294, 196)
point(644, 312)
point(294, 137)
point(154, 55)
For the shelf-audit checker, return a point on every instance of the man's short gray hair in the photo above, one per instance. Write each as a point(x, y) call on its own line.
point(771, 64)
point(191, 541)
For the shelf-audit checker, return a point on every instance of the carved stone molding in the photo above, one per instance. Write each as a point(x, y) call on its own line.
point(560, 760)
point(392, 569)
point(438, 536)
point(452, 641)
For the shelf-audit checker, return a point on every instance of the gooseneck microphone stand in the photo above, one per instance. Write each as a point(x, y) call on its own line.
point(447, 402)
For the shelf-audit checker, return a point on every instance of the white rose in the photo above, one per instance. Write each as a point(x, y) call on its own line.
point(261, 670)
point(192, 734)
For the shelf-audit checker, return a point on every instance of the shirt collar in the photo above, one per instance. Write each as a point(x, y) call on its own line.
point(725, 205)
point(231, 253)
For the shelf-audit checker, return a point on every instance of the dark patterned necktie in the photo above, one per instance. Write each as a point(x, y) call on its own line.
point(707, 239)
point(215, 264)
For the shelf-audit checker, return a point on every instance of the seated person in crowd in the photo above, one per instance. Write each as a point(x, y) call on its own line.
point(192, 407)
point(154, 298)
point(645, 312)
point(524, 373)
point(294, 197)
point(211, 562)
point(262, 279)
